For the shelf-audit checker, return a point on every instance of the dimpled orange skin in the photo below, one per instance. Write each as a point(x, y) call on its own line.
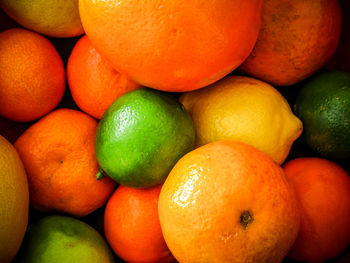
point(58, 153)
point(32, 76)
point(174, 45)
point(323, 190)
point(296, 39)
point(93, 82)
point(203, 201)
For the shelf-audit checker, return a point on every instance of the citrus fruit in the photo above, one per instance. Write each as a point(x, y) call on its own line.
point(94, 84)
point(228, 202)
point(132, 225)
point(14, 204)
point(243, 109)
point(296, 39)
point(59, 156)
point(174, 45)
point(55, 18)
point(57, 239)
point(32, 77)
point(323, 105)
point(141, 136)
point(323, 191)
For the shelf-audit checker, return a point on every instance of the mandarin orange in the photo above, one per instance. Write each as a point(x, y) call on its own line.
point(59, 156)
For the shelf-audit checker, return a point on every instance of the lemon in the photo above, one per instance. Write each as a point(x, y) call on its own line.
point(244, 109)
point(55, 18)
point(14, 205)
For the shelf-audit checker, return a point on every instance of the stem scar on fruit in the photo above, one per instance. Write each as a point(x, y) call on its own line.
point(246, 218)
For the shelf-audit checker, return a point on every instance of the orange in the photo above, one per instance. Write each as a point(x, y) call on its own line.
point(59, 156)
point(174, 45)
point(32, 77)
point(323, 191)
point(228, 202)
point(14, 205)
point(296, 39)
point(94, 84)
point(132, 226)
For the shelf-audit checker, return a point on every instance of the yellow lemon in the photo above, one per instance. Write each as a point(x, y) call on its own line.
point(55, 18)
point(244, 109)
point(14, 203)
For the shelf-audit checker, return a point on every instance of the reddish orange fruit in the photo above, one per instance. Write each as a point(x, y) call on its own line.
point(296, 39)
point(93, 82)
point(323, 191)
point(58, 153)
point(174, 45)
point(132, 226)
point(32, 77)
point(228, 202)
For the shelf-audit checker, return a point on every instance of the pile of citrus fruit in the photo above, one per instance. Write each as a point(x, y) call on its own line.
point(174, 131)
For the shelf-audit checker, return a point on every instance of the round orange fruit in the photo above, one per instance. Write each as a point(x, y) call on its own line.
point(323, 191)
point(93, 82)
point(174, 45)
point(228, 202)
point(132, 228)
point(32, 76)
point(59, 156)
point(296, 40)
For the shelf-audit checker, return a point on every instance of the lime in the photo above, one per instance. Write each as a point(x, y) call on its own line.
point(58, 239)
point(323, 105)
point(141, 136)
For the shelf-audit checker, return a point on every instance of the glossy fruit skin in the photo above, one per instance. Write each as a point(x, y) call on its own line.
point(296, 40)
point(243, 109)
point(57, 239)
point(207, 195)
point(174, 45)
point(141, 136)
point(323, 191)
point(323, 105)
point(132, 227)
point(58, 154)
point(14, 205)
point(93, 82)
point(55, 18)
point(32, 76)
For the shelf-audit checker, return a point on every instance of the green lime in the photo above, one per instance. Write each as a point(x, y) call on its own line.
point(323, 105)
point(57, 239)
point(141, 136)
